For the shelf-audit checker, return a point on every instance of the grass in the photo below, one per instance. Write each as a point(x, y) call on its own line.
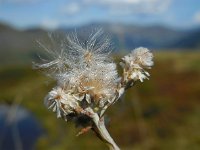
point(160, 114)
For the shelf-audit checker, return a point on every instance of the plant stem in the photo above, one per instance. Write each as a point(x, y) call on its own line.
point(101, 131)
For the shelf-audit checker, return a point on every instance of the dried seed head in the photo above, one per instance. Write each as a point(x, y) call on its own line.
point(135, 63)
point(143, 57)
point(86, 76)
point(83, 71)
point(62, 102)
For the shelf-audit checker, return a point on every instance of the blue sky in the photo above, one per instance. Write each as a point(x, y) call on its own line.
point(55, 13)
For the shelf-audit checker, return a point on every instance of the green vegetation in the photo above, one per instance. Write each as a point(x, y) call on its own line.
point(161, 114)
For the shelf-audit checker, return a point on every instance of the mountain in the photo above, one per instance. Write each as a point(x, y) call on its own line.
point(19, 46)
point(128, 37)
point(132, 36)
point(190, 41)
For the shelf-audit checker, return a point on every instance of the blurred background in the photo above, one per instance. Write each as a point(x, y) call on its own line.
point(160, 114)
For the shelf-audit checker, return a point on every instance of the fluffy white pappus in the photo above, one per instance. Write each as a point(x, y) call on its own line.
point(62, 102)
point(99, 77)
point(82, 66)
point(56, 60)
point(102, 79)
point(94, 50)
point(98, 80)
point(143, 57)
point(139, 58)
point(70, 53)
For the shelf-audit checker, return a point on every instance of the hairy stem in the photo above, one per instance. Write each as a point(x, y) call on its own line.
point(101, 131)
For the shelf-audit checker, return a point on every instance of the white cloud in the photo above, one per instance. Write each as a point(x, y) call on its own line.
point(131, 6)
point(50, 23)
point(118, 7)
point(197, 17)
point(71, 8)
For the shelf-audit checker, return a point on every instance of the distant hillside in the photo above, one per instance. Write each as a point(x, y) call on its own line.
point(154, 37)
point(17, 46)
point(190, 41)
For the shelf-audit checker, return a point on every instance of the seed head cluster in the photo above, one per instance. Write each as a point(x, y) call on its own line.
point(87, 77)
